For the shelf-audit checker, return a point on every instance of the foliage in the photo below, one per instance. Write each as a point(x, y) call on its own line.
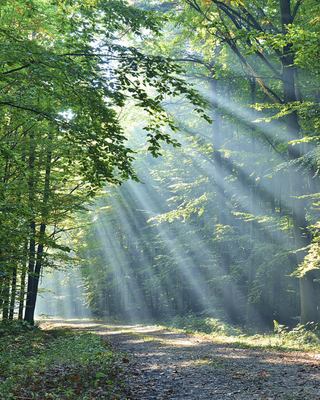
point(192, 323)
point(226, 222)
point(301, 338)
point(15, 327)
point(230, 230)
point(303, 335)
point(59, 363)
point(61, 140)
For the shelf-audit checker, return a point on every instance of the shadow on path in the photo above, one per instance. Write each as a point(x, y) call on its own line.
point(171, 365)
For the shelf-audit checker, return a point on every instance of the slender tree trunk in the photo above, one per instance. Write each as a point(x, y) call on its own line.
point(1, 286)
point(32, 254)
point(13, 292)
point(32, 227)
point(5, 296)
point(36, 276)
point(36, 263)
point(23, 282)
point(22, 294)
point(5, 270)
point(301, 237)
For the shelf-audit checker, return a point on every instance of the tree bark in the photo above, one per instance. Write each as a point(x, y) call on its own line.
point(32, 241)
point(300, 232)
point(23, 282)
point(5, 296)
point(35, 265)
point(13, 292)
point(28, 316)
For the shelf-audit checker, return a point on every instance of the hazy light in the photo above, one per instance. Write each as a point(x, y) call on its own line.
point(61, 294)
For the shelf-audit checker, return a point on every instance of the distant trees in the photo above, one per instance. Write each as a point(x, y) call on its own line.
point(64, 76)
point(225, 224)
point(238, 238)
point(267, 33)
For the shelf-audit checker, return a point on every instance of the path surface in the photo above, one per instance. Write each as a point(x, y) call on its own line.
point(170, 365)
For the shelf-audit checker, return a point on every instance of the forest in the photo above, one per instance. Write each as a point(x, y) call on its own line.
point(167, 153)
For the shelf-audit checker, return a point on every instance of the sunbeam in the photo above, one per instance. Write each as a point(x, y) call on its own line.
point(62, 295)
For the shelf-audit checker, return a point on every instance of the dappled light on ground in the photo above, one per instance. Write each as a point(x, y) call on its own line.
point(174, 365)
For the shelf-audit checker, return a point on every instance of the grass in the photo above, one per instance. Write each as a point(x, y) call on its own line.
point(300, 338)
point(58, 364)
point(61, 363)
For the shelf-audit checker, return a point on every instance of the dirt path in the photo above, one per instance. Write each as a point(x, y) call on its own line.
point(170, 365)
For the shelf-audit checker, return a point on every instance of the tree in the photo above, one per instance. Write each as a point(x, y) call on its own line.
point(63, 83)
point(261, 195)
point(267, 34)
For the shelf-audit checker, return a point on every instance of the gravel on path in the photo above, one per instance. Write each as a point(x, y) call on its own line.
point(176, 366)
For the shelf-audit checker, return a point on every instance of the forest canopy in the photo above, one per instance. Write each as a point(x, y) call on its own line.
point(225, 223)
point(64, 76)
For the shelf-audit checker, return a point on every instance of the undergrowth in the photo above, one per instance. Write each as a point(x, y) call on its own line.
point(58, 364)
point(302, 337)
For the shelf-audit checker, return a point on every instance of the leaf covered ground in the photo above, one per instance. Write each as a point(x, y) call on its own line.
point(93, 360)
point(58, 363)
point(166, 364)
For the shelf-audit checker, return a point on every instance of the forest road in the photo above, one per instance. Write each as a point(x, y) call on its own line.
point(170, 365)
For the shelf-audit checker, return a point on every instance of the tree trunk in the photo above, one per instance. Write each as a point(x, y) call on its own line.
point(22, 294)
point(23, 282)
point(32, 296)
point(301, 237)
point(28, 316)
point(5, 296)
point(13, 292)
point(34, 274)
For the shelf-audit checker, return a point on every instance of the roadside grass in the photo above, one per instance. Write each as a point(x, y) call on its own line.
point(301, 338)
point(59, 364)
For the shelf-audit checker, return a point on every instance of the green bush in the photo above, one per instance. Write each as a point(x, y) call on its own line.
point(13, 327)
point(308, 334)
point(193, 323)
point(303, 337)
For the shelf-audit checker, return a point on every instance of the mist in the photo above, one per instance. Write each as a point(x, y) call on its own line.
point(62, 295)
point(225, 226)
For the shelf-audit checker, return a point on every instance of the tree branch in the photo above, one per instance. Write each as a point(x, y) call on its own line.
point(296, 8)
point(7, 103)
point(16, 69)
